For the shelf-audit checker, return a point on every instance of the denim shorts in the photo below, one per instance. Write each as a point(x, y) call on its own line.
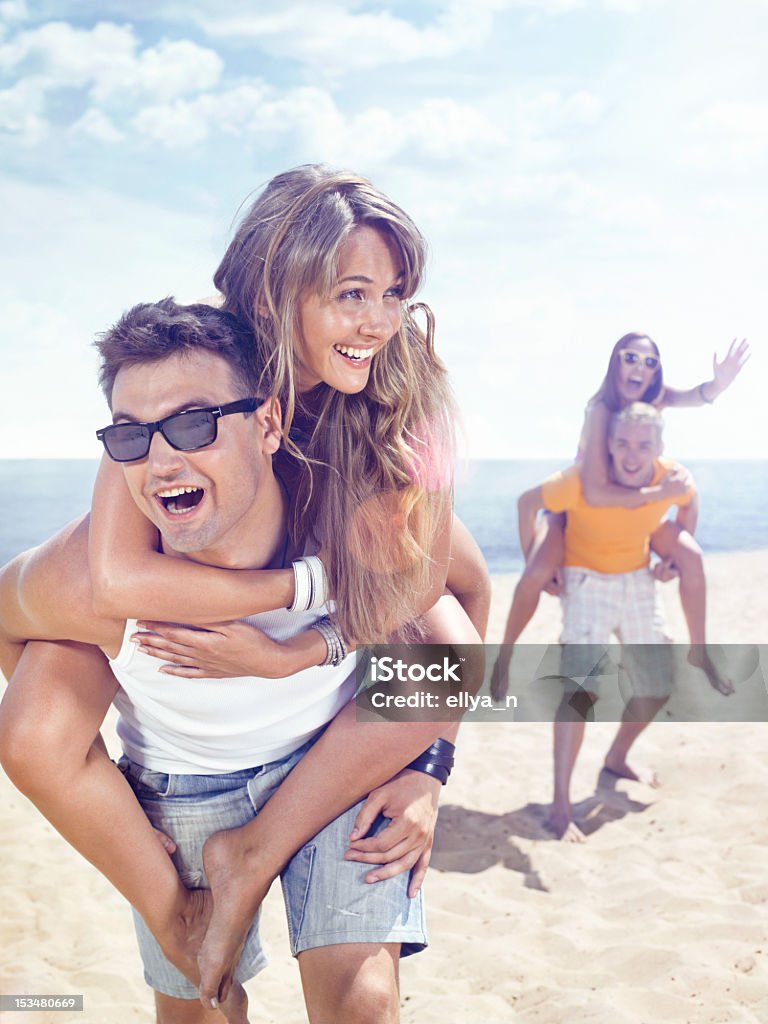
point(327, 901)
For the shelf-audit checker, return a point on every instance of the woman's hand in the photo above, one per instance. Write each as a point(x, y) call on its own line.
point(665, 570)
point(555, 584)
point(725, 372)
point(225, 651)
point(674, 484)
point(410, 802)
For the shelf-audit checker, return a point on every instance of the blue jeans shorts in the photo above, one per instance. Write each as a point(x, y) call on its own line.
point(326, 899)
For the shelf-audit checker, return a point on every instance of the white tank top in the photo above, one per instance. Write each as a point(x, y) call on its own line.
point(209, 726)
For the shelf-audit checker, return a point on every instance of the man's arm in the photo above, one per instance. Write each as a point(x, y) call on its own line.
point(45, 594)
point(528, 505)
point(685, 521)
point(468, 578)
point(688, 515)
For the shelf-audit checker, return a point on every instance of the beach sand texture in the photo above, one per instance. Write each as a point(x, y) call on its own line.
point(661, 916)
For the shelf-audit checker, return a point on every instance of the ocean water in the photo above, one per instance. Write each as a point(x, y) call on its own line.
point(38, 496)
point(733, 504)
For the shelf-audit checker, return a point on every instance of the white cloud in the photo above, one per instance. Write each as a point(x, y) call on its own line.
point(437, 128)
point(446, 129)
point(330, 37)
point(21, 111)
point(67, 56)
point(107, 61)
point(13, 10)
point(440, 129)
point(175, 125)
point(166, 71)
point(95, 124)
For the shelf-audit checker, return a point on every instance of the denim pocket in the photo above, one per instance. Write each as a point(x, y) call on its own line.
point(144, 780)
point(269, 776)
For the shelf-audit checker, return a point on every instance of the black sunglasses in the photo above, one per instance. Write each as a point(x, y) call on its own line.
point(185, 431)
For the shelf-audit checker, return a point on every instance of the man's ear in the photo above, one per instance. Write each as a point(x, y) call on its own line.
point(270, 421)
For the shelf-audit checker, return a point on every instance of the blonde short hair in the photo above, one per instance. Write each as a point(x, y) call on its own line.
point(637, 412)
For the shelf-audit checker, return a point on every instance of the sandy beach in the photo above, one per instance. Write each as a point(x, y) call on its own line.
point(662, 915)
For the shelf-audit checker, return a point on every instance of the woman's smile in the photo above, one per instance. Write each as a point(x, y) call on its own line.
point(341, 334)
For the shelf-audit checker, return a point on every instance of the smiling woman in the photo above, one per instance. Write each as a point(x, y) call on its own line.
point(321, 267)
point(363, 311)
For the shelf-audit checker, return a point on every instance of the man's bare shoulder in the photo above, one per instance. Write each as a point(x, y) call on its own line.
point(45, 592)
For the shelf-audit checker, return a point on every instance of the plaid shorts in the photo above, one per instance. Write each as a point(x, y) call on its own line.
point(597, 606)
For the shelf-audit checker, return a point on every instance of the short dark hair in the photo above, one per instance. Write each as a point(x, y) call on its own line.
point(153, 331)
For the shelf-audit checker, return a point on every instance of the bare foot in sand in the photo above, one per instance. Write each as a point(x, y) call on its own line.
point(237, 895)
point(499, 680)
point(182, 947)
point(561, 822)
point(699, 657)
point(620, 768)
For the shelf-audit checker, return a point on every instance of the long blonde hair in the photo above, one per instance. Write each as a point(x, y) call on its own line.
point(376, 486)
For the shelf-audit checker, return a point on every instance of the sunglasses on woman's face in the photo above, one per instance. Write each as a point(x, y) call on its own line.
point(630, 356)
point(185, 431)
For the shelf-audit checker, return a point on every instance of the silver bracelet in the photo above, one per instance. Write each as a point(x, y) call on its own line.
point(702, 396)
point(310, 589)
point(334, 641)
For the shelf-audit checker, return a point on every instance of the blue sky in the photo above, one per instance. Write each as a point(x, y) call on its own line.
point(582, 168)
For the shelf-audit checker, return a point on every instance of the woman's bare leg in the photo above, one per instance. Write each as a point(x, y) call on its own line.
point(542, 563)
point(51, 715)
point(51, 750)
point(349, 760)
point(671, 542)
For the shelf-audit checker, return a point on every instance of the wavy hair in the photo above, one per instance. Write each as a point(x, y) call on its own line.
point(608, 392)
point(376, 467)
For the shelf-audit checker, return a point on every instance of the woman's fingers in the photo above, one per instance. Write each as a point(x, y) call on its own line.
point(185, 672)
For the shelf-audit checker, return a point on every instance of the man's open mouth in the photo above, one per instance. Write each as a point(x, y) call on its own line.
point(178, 500)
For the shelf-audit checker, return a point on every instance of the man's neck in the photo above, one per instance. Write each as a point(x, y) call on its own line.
point(259, 541)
